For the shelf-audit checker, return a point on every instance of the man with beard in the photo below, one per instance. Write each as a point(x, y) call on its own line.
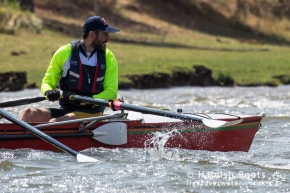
point(84, 67)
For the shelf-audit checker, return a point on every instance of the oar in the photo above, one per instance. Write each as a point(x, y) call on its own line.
point(111, 133)
point(45, 137)
point(121, 106)
point(21, 102)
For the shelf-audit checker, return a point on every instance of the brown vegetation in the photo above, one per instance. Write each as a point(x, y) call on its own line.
point(12, 81)
point(244, 19)
point(200, 77)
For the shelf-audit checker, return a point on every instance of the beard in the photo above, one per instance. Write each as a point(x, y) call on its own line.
point(97, 44)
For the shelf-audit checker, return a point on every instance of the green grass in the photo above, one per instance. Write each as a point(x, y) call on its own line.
point(247, 64)
point(37, 49)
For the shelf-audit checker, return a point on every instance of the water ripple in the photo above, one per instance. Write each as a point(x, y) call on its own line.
point(264, 168)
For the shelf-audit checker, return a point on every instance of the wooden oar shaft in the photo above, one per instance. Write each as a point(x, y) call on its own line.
point(122, 106)
point(158, 112)
point(21, 102)
point(91, 100)
point(115, 105)
point(37, 132)
point(28, 136)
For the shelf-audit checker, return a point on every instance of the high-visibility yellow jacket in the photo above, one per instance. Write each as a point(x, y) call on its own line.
point(59, 65)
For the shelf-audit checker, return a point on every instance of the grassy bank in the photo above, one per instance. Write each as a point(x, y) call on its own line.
point(250, 59)
point(247, 64)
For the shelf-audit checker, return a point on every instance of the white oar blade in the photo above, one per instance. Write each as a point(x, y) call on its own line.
point(84, 158)
point(218, 123)
point(112, 133)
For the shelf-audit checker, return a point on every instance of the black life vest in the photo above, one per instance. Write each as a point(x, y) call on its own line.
point(84, 79)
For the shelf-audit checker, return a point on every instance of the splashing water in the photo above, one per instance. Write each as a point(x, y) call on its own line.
point(265, 168)
point(6, 155)
point(156, 146)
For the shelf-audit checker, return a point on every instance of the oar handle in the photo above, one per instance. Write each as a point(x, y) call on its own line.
point(22, 102)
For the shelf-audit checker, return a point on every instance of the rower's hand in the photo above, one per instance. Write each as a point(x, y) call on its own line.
point(52, 95)
point(66, 94)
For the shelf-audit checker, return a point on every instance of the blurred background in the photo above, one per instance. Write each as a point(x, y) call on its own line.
point(161, 43)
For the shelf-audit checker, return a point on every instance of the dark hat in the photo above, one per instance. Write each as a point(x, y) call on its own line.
point(94, 23)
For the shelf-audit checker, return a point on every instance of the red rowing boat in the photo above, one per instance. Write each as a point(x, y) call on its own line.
point(137, 130)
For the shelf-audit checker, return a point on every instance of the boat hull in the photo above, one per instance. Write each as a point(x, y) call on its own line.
point(141, 134)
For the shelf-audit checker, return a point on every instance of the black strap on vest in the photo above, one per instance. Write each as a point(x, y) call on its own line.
point(83, 79)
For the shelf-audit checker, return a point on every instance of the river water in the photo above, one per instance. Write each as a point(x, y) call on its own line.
point(265, 168)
